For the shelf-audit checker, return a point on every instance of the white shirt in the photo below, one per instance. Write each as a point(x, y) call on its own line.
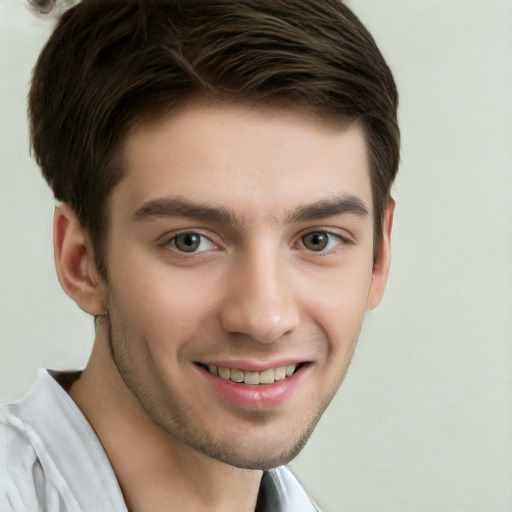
point(51, 460)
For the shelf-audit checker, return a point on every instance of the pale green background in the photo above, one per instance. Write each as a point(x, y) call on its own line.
point(423, 422)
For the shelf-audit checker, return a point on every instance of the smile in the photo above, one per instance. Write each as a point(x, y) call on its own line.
point(260, 389)
point(252, 378)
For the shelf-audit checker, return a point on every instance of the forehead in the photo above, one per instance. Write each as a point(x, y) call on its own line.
point(259, 162)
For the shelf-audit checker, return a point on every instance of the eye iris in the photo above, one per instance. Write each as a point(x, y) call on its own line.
point(316, 241)
point(188, 242)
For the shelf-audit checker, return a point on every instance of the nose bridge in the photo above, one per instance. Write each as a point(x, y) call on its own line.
point(261, 302)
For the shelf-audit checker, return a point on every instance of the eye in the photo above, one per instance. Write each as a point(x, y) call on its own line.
point(191, 243)
point(321, 241)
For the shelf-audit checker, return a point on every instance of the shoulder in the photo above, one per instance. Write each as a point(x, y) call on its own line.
point(29, 482)
point(21, 475)
point(50, 457)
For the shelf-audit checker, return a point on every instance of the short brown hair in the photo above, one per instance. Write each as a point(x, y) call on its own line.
point(110, 64)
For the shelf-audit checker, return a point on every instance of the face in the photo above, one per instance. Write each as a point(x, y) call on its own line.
point(240, 267)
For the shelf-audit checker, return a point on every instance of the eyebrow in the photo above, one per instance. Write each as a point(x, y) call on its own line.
point(180, 207)
point(344, 205)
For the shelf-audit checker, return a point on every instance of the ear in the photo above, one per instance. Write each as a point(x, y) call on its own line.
point(382, 259)
point(74, 261)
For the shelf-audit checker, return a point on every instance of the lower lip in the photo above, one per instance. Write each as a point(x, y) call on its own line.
point(262, 396)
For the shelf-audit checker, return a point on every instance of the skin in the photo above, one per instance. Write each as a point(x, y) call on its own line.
point(257, 292)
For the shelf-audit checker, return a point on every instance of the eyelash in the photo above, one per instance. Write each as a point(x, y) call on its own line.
point(335, 238)
point(202, 240)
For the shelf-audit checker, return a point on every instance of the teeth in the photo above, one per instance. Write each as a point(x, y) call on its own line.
point(252, 378)
point(280, 373)
point(268, 376)
point(224, 373)
point(237, 376)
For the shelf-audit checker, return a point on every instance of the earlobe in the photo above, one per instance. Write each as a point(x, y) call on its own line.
point(74, 261)
point(382, 259)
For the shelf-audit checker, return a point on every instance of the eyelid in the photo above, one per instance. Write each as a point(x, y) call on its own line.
point(344, 237)
point(168, 239)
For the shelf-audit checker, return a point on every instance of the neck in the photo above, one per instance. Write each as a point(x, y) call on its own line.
point(156, 472)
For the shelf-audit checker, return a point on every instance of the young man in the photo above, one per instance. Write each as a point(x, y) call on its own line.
point(224, 173)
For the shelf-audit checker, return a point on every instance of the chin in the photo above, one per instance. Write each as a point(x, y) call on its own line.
point(259, 460)
point(256, 451)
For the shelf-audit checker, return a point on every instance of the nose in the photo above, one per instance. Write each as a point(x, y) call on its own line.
point(260, 301)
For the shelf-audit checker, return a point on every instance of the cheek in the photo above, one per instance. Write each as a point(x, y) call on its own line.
point(158, 303)
point(339, 306)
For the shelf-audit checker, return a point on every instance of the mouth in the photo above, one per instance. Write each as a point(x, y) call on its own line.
point(252, 378)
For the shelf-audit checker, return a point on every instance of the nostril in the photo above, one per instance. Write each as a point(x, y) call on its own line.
point(260, 322)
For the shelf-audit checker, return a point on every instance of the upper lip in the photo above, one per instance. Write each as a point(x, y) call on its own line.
point(253, 365)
